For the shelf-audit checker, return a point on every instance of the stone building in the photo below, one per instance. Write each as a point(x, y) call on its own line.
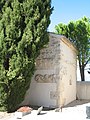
point(54, 82)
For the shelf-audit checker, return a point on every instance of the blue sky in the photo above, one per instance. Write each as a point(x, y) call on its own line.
point(68, 10)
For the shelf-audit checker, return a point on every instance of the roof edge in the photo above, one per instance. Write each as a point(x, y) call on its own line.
point(65, 40)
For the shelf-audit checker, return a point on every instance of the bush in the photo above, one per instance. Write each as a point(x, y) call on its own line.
point(23, 32)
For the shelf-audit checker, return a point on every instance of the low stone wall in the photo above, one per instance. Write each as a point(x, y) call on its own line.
point(83, 90)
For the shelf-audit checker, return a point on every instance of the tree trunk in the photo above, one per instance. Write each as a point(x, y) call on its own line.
point(82, 72)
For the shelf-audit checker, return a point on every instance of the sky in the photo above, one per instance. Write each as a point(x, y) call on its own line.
point(68, 10)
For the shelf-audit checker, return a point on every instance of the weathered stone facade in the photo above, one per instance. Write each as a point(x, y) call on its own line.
point(54, 82)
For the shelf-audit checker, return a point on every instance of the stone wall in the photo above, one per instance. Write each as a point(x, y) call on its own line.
point(54, 82)
point(83, 90)
point(67, 72)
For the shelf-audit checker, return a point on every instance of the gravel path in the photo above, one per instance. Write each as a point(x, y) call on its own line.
point(74, 110)
point(5, 115)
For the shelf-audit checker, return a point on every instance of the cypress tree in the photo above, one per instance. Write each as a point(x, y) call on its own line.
point(23, 33)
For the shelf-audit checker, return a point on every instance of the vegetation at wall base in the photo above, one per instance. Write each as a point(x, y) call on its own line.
point(23, 33)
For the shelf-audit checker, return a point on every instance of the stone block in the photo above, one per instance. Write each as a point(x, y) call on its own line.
point(19, 115)
point(22, 111)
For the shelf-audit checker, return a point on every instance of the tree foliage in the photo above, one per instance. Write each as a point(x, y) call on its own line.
point(23, 32)
point(78, 33)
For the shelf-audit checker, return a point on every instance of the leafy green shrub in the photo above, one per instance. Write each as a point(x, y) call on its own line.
point(23, 32)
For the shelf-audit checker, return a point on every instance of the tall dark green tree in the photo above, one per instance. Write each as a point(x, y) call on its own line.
point(23, 32)
point(78, 33)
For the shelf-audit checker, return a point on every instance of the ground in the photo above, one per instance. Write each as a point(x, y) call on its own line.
point(74, 110)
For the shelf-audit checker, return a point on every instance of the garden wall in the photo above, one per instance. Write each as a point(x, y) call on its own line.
point(83, 90)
